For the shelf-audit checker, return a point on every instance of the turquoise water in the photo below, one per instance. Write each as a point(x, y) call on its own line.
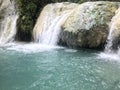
point(58, 69)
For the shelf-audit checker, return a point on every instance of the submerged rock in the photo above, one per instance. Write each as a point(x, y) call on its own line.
point(88, 25)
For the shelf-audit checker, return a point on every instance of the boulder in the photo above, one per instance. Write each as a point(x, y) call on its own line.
point(88, 25)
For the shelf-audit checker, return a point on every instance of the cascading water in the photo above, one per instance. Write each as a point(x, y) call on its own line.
point(51, 35)
point(8, 21)
point(113, 35)
point(114, 31)
point(45, 33)
point(48, 26)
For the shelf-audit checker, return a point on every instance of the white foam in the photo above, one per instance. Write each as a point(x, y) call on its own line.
point(29, 47)
point(109, 56)
point(70, 50)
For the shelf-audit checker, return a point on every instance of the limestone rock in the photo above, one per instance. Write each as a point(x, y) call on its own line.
point(88, 25)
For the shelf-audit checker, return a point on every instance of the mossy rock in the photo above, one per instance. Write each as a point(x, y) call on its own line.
point(88, 25)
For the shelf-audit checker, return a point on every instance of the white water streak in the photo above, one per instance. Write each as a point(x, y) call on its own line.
point(109, 39)
point(113, 28)
point(51, 35)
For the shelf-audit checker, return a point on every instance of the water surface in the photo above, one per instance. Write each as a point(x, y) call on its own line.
point(57, 69)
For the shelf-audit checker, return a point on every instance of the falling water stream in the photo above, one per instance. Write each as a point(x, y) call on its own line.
point(8, 24)
point(113, 33)
point(49, 23)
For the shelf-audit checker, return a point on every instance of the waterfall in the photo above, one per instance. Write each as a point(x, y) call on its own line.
point(48, 26)
point(51, 35)
point(108, 47)
point(8, 21)
point(114, 32)
point(113, 39)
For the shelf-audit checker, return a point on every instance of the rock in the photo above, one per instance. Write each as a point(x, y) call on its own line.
point(88, 25)
point(4, 4)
